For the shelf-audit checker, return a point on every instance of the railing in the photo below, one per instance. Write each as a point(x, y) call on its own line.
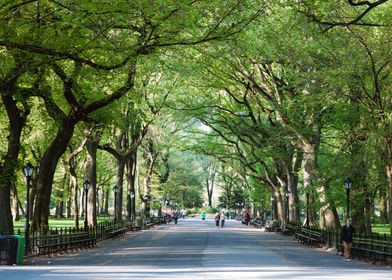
point(98, 232)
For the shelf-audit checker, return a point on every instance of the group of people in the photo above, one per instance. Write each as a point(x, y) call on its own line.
point(220, 218)
point(347, 232)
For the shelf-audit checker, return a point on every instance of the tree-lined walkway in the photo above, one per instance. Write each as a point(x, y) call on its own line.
point(191, 250)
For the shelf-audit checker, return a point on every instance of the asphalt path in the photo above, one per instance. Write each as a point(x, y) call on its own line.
point(193, 250)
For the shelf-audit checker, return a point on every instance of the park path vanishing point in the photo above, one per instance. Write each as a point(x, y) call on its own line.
point(192, 250)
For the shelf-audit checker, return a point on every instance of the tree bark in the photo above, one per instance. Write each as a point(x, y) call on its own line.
point(91, 175)
point(16, 119)
point(292, 167)
point(309, 175)
point(131, 181)
point(383, 205)
point(75, 192)
point(59, 205)
point(278, 207)
point(388, 176)
point(48, 166)
point(106, 203)
point(119, 183)
point(150, 156)
point(68, 198)
point(15, 203)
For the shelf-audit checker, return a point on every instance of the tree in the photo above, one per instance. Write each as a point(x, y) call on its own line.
point(52, 32)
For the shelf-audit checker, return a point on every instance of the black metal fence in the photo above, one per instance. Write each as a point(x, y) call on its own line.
point(333, 238)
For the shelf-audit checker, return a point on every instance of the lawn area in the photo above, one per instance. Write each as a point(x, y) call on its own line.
point(60, 223)
point(381, 228)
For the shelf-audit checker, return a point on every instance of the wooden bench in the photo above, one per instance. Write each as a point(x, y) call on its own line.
point(371, 249)
point(131, 226)
point(49, 244)
point(289, 228)
point(381, 250)
point(271, 226)
point(116, 230)
point(309, 237)
point(152, 223)
point(258, 223)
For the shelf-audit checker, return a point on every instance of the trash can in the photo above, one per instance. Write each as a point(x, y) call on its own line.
point(21, 248)
point(8, 249)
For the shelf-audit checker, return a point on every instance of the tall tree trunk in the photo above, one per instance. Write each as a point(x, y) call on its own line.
point(16, 120)
point(15, 203)
point(383, 205)
point(131, 181)
point(278, 207)
point(69, 198)
point(209, 191)
point(329, 217)
point(75, 191)
point(119, 183)
point(150, 157)
point(388, 175)
point(60, 198)
point(147, 186)
point(91, 175)
point(47, 170)
point(59, 206)
point(106, 202)
point(292, 167)
point(309, 175)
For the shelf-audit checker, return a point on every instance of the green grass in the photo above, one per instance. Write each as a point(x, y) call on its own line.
point(60, 223)
point(381, 228)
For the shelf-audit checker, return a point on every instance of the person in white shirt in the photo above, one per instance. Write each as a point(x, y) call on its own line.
point(222, 219)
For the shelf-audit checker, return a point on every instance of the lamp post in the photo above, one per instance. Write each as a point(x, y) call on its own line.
point(28, 170)
point(272, 208)
point(347, 185)
point(115, 191)
point(86, 186)
point(287, 194)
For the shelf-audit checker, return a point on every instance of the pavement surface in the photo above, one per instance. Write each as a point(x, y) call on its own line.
point(195, 250)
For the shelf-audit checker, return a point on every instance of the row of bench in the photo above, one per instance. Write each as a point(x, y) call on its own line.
point(374, 249)
point(370, 249)
point(51, 243)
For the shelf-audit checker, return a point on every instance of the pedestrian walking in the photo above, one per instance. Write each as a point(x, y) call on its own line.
point(246, 217)
point(203, 217)
point(217, 219)
point(176, 217)
point(347, 237)
point(222, 219)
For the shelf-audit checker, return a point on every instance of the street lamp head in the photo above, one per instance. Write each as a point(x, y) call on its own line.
point(115, 189)
point(132, 195)
point(86, 185)
point(28, 170)
point(287, 193)
point(348, 184)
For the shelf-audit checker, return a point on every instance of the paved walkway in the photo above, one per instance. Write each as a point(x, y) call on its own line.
point(191, 250)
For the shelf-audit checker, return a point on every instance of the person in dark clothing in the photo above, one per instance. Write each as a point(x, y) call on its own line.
point(347, 237)
point(217, 219)
point(246, 217)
